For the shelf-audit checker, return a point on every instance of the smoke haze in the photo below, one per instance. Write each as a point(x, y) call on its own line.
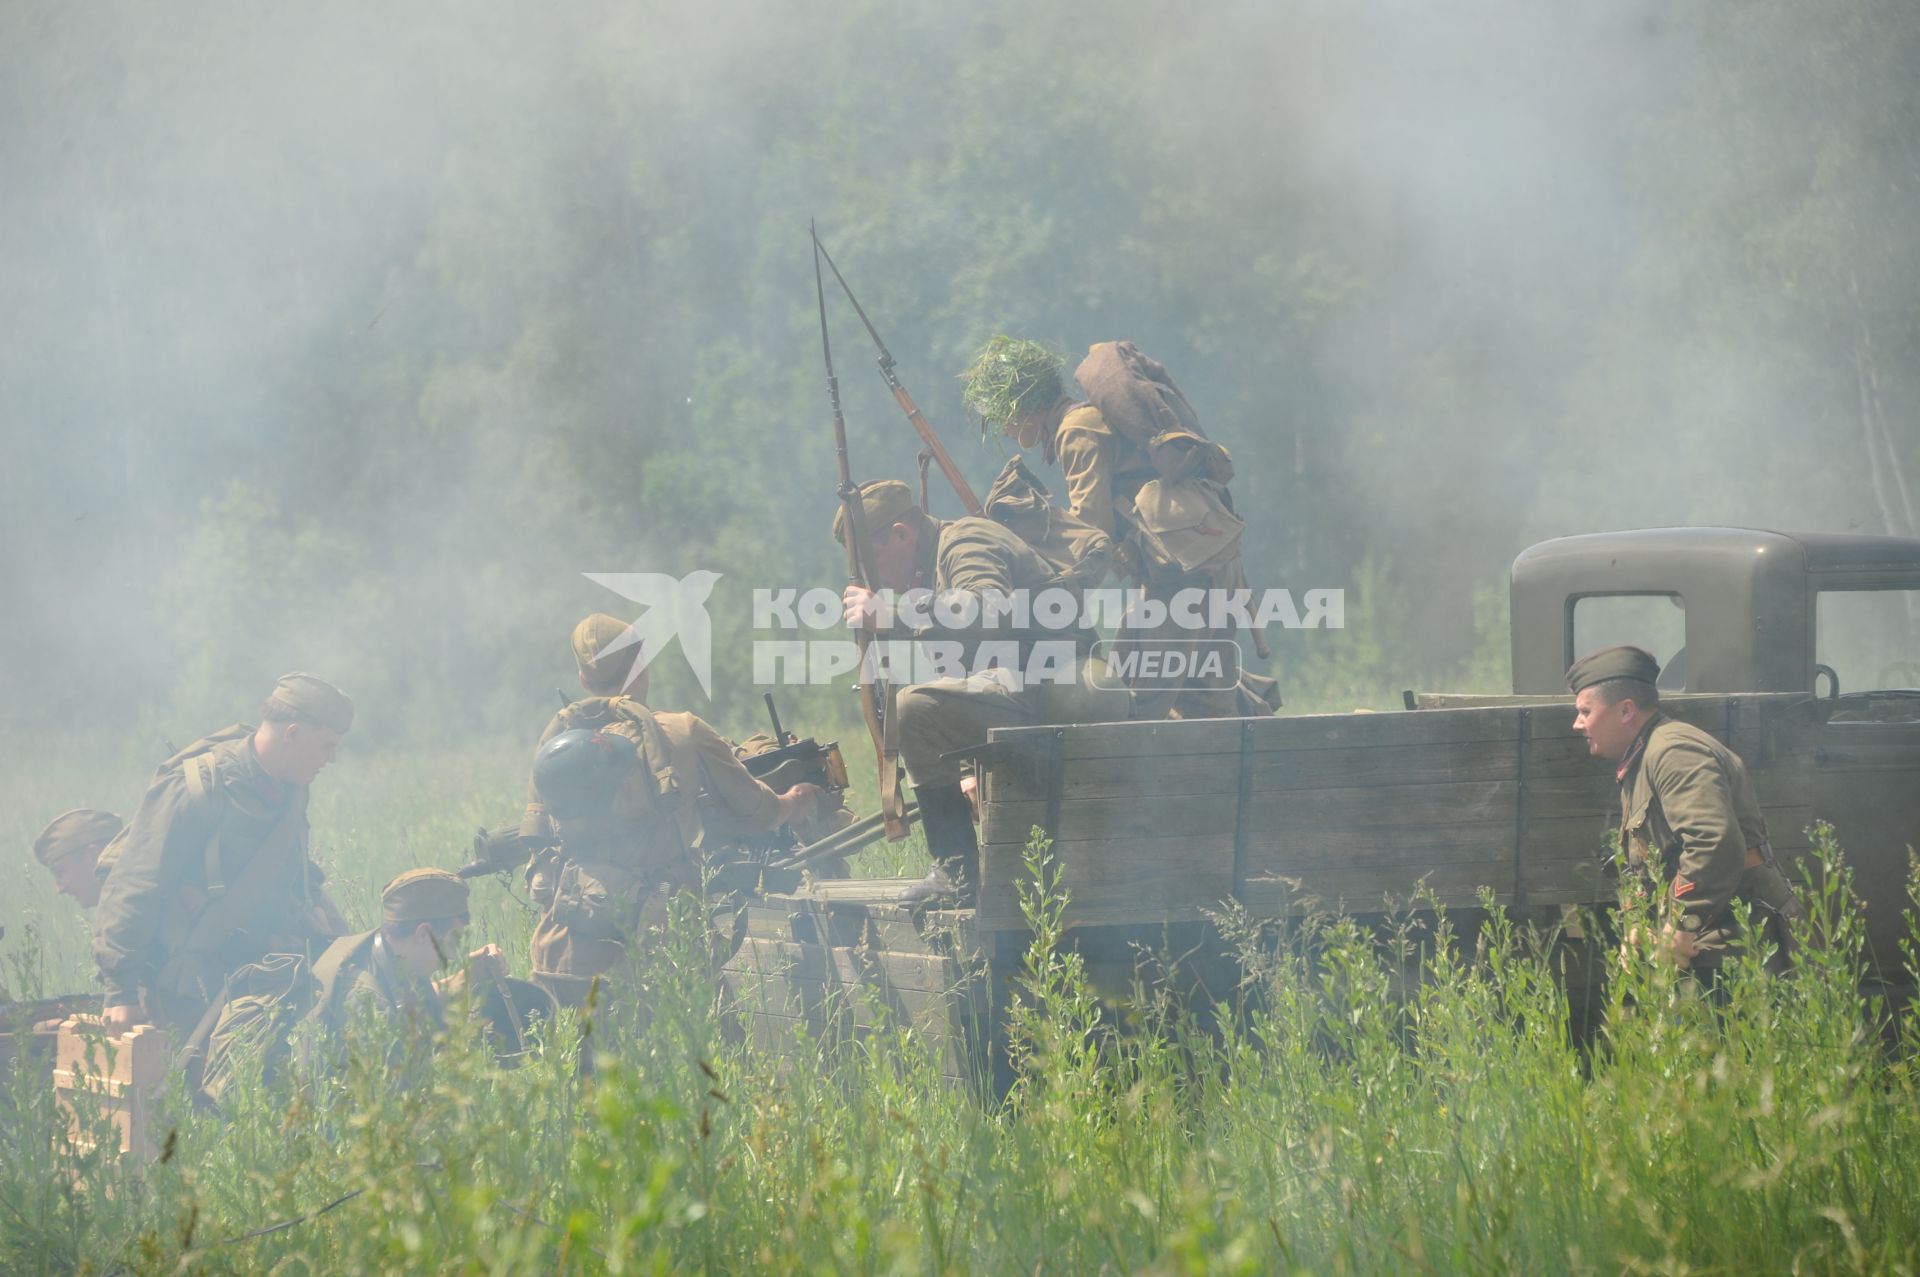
point(347, 338)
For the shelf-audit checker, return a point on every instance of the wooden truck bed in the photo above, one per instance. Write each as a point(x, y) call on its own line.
point(1158, 826)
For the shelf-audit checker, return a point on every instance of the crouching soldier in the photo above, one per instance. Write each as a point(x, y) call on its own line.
point(70, 846)
point(392, 978)
point(615, 814)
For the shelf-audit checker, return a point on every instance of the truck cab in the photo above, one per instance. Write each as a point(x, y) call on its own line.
point(1738, 610)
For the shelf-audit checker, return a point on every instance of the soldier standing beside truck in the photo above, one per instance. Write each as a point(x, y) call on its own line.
point(1689, 817)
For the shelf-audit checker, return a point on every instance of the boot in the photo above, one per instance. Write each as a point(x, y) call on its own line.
point(947, 817)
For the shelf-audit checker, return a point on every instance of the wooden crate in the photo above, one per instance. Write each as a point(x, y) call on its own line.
point(35, 1041)
point(840, 958)
point(1166, 821)
point(121, 1076)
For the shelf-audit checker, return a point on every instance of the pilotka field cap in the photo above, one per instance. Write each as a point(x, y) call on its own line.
point(1611, 663)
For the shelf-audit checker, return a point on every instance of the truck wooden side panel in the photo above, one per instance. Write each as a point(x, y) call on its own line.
point(1164, 822)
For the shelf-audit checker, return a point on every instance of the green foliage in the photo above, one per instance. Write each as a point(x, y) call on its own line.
point(1009, 376)
point(1403, 1098)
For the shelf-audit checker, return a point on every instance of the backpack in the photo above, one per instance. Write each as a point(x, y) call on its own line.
point(253, 1016)
point(1188, 534)
point(1139, 401)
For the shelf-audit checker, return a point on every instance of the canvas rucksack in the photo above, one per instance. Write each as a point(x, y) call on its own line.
point(1139, 401)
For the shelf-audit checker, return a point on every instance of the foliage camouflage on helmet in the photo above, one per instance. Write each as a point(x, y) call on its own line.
point(1009, 375)
point(579, 773)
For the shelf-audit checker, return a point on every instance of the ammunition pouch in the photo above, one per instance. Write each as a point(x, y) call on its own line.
point(597, 900)
point(1188, 535)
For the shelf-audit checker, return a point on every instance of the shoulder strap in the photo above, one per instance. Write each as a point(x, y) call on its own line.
point(239, 902)
point(205, 744)
point(197, 772)
point(655, 751)
point(328, 966)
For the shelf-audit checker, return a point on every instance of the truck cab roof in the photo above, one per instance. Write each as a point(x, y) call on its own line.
point(1748, 597)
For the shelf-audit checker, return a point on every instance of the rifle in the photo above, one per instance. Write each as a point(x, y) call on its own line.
point(891, 808)
point(917, 418)
point(37, 1010)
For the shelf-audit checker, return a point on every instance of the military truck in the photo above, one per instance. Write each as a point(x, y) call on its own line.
point(1802, 652)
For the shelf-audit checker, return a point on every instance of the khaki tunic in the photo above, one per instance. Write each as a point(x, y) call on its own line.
point(1103, 470)
point(183, 849)
point(357, 973)
point(1688, 806)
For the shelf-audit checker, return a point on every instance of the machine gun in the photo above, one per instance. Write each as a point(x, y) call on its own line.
point(792, 760)
point(497, 851)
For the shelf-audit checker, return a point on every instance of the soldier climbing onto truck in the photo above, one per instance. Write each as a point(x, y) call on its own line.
point(1140, 470)
point(972, 556)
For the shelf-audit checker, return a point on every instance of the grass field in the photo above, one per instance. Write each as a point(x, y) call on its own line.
point(1344, 1121)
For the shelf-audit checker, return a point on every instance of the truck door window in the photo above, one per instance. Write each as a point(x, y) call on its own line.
point(1870, 639)
point(1656, 622)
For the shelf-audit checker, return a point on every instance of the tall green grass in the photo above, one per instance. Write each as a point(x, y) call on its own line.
point(1338, 1116)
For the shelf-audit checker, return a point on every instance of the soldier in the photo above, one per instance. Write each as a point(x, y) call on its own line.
point(1019, 388)
point(591, 887)
point(392, 968)
point(1139, 469)
point(1687, 807)
point(214, 872)
point(70, 848)
point(388, 973)
point(977, 557)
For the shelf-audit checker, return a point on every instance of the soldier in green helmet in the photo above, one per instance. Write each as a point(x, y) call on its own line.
point(1689, 816)
point(1139, 469)
point(638, 843)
